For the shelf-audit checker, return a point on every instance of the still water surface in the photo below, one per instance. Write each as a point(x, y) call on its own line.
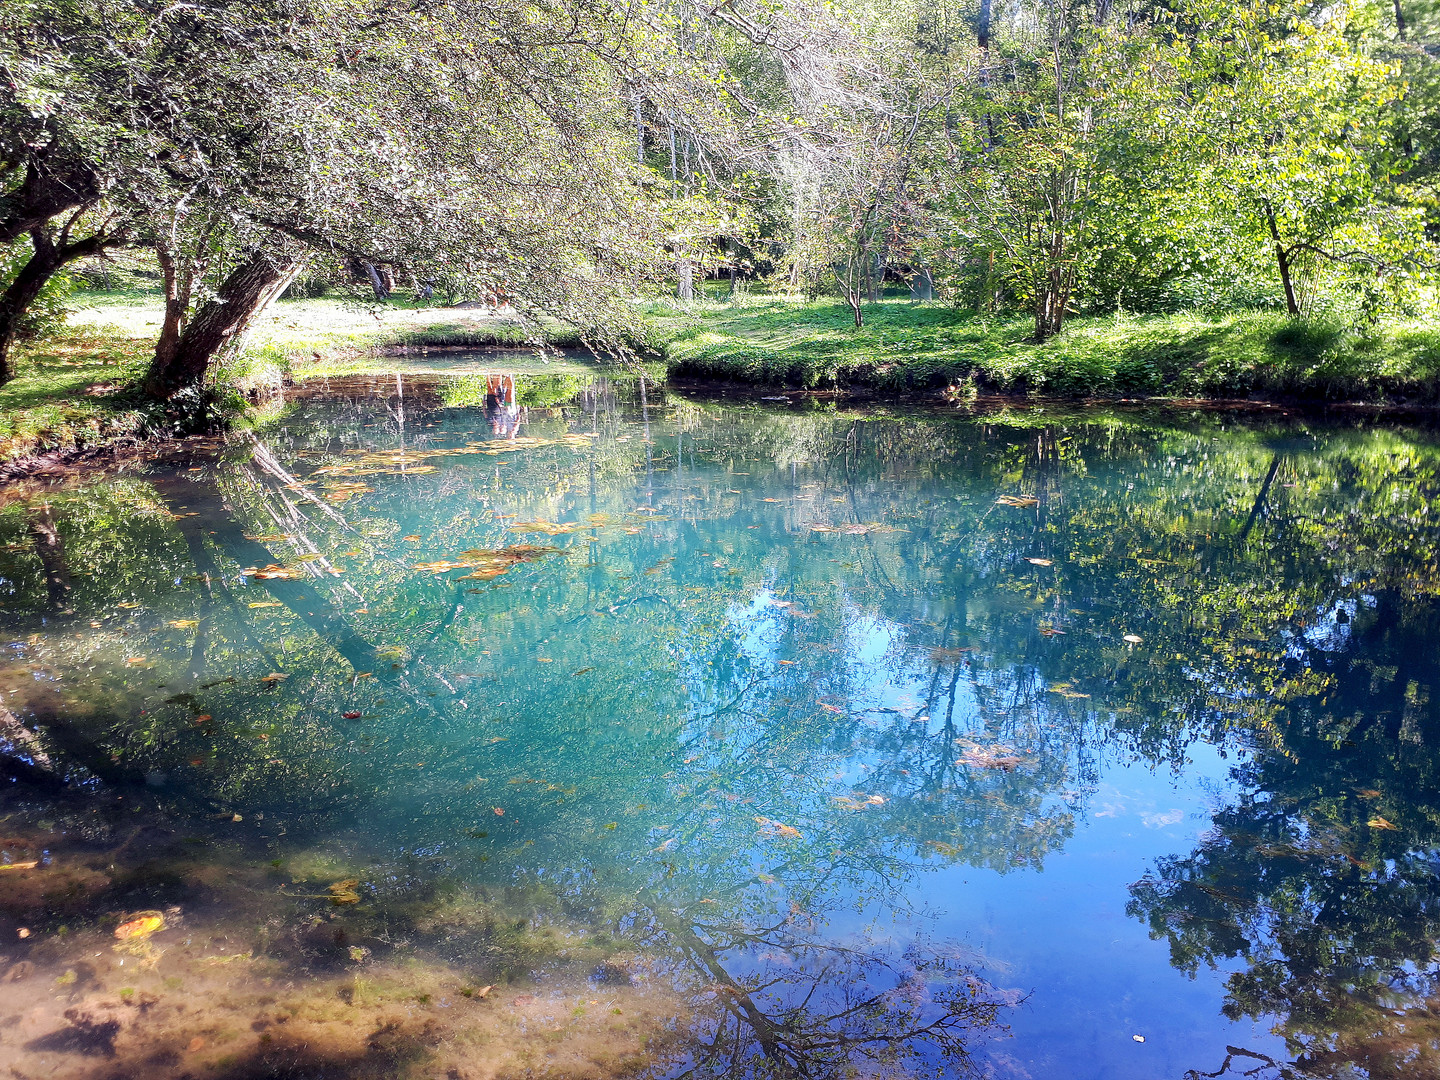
point(610, 734)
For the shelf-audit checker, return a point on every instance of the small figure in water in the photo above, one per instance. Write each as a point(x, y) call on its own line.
point(501, 408)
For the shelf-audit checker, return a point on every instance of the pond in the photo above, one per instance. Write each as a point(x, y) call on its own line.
point(485, 726)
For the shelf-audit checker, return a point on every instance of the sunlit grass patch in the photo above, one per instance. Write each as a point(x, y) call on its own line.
point(909, 346)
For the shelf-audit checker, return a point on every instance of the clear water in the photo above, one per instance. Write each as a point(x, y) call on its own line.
point(606, 736)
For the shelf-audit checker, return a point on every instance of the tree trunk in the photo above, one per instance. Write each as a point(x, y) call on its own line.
point(178, 283)
point(377, 282)
point(1282, 260)
point(249, 289)
point(15, 301)
point(685, 290)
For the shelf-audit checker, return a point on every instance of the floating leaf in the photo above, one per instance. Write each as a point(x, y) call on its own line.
point(20, 865)
point(769, 827)
point(344, 892)
point(994, 757)
point(1018, 500)
point(184, 624)
point(274, 677)
point(351, 715)
point(140, 925)
point(1040, 562)
point(1381, 823)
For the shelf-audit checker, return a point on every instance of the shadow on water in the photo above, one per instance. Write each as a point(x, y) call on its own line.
point(469, 728)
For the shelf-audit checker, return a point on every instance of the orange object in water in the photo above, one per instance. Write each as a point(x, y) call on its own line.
point(142, 924)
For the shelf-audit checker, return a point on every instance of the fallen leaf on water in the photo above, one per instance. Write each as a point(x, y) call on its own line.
point(666, 846)
point(830, 708)
point(274, 677)
point(352, 715)
point(1381, 823)
point(1018, 500)
point(948, 850)
point(1050, 631)
point(273, 572)
point(1367, 793)
point(20, 865)
point(268, 603)
point(343, 892)
point(135, 659)
point(140, 925)
point(196, 1044)
point(768, 879)
point(993, 757)
point(1040, 562)
point(549, 528)
point(184, 624)
point(499, 811)
point(775, 828)
point(412, 538)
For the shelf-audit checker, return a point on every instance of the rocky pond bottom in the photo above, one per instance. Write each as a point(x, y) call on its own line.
point(487, 726)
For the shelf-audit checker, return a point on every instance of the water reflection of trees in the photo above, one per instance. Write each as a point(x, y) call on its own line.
point(776, 998)
point(720, 638)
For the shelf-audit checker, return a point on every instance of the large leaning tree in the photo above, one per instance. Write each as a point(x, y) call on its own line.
point(489, 142)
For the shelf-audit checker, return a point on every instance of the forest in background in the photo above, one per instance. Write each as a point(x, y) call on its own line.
point(1010, 160)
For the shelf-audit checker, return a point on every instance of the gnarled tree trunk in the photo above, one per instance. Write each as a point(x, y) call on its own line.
point(251, 287)
point(27, 285)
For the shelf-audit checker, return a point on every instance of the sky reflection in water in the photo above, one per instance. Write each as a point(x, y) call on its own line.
point(933, 742)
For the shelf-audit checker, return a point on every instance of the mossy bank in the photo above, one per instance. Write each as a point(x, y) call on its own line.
point(926, 347)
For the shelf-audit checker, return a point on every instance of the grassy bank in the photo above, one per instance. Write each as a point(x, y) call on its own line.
point(903, 346)
point(78, 388)
point(326, 336)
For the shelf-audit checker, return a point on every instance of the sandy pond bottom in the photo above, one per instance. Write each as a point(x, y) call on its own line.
point(471, 985)
point(514, 725)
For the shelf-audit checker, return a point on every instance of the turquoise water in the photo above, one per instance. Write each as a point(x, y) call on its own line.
point(604, 732)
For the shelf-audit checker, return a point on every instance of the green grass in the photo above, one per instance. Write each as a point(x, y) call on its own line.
point(79, 388)
point(905, 346)
point(75, 390)
point(325, 336)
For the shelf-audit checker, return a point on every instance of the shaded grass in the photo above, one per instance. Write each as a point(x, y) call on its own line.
point(906, 346)
point(75, 390)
